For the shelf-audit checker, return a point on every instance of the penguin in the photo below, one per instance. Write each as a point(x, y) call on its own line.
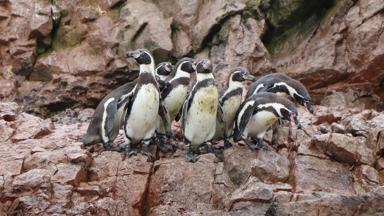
point(258, 113)
point(174, 94)
point(200, 111)
point(108, 116)
point(230, 102)
point(163, 70)
point(143, 106)
point(284, 85)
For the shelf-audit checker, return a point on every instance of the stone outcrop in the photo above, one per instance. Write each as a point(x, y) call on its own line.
point(323, 170)
point(62, 54)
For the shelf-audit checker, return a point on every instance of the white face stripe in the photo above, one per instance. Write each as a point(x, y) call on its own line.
point(103, 135)
point(162, 77)
point(241, 113)
point(291, 90)
point(275, 106)
point(258, 87)
point(181, 73)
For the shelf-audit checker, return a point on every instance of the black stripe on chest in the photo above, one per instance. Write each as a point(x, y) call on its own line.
point(199, 85)
point(173, 84)
point(235, 92)
point(143, 79)
point(268, 108)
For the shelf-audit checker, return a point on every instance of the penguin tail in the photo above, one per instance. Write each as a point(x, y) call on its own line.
point(90, 140)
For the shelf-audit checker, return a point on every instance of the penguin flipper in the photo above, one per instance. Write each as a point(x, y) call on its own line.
point(220, 113)
point(184, 112)
point(111, 112)
point(163, 112)
point(242, 120)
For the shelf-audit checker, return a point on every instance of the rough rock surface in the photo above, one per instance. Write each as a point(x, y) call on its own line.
point(69, 54)
point(329, 172)
point(61, 54)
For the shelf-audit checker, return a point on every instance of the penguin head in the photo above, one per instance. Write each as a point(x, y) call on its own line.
point(164, 69)
point(204, 66)
point(302, 96)
point(185, 65)
point(240, 74)
point(142, 56)
point(289, 112)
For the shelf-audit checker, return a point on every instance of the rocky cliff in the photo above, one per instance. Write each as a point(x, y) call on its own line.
point(60, 57)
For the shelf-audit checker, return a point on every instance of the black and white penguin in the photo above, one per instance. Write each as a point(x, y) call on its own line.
point(163, 70)
point(230, 102)
point(175, 92)
point(143, 105)
point(200, 111)
point(258, 113)
point(283, 85)
point(108, 116)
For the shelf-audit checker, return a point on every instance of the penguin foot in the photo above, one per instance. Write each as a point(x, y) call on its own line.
point(260, 145)
point(190, 157)
point(166, 147)
point(146, 152)
point(131, 151)
point(227, 144)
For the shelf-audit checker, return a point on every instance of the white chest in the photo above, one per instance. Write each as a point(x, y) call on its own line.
point(260, 123)
point(200, 123)
point(175, 100)
point(142, 120)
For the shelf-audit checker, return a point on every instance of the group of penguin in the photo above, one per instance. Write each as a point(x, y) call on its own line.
point(146, 107)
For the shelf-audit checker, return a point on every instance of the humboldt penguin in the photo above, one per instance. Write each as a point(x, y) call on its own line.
point(163, 70)
point(200, 111)
point(230, 102)
point(283, 85)
point(258, 113)
point(143, 106)
point(173, 96)
point(108, 116)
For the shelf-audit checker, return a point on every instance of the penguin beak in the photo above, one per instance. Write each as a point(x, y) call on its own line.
point(309, 106)
point(194, 65)
point(169, 67)
point(206, 64)
point(133, 54)
point(249, 77)
point(297, 122)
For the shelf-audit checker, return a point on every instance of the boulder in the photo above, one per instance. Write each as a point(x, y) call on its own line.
point(314, 174)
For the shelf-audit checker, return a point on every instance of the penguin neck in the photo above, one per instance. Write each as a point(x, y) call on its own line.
point(181, 73)
point(147, 68)
point(234, 85)
point(162, 77)
point(204, 76)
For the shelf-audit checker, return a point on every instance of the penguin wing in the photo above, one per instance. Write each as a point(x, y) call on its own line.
point(111, 111)
point(242, 118)
point(165, 89)
point(163, 112)
point(220, 113)
point(184, 112)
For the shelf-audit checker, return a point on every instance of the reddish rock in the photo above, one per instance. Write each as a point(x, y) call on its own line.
point(69, 174)
point(268, 166)
point(314, 174)
point(29, 126)
point(32, 179)
point(187, 188)
point(346, 149)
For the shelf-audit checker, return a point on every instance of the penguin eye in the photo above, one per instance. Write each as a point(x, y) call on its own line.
point(285, 113)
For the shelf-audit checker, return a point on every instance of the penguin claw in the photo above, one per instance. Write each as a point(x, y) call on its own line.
point(190, 157)
point(227, 144)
